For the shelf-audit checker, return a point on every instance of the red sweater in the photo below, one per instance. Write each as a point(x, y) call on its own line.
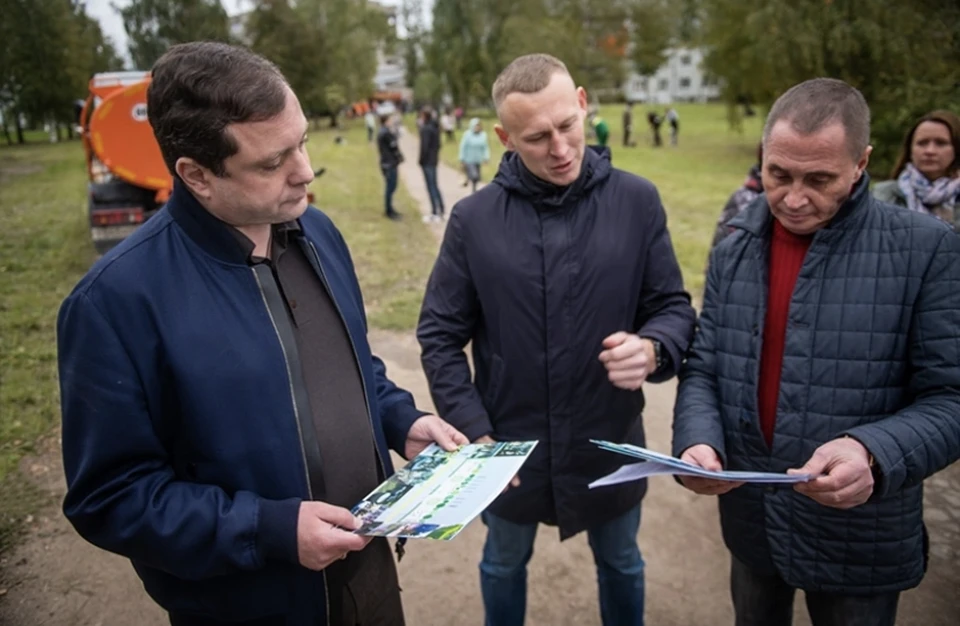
point(786, 256)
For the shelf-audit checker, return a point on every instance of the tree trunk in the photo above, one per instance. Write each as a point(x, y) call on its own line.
point(333, 120)
point(16, 120)
point(6, 133)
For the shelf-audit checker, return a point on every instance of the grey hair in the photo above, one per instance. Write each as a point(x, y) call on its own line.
point(527, 74)
point(816, 103)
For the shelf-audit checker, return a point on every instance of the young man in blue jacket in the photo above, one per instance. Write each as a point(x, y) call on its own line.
point(222, 409)
point(562, 275)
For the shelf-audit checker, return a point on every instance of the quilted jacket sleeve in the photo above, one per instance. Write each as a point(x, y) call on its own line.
point(924, 437)
point(696, 417)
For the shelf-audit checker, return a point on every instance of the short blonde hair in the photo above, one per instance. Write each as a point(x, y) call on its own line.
point(527, 74)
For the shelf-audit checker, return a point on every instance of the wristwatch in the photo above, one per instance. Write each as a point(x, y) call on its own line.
point(657, 353)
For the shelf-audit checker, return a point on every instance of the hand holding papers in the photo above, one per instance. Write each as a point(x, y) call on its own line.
point(438, 493)
point(657, 464)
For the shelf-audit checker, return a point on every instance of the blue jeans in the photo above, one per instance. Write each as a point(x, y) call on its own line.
point(390, 175)
point(436, 200)
point(509, 546)
point(760, 599)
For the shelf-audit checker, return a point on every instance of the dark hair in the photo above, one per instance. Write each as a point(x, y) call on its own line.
point(948, 119)
point(816, 103)
point(200, 88)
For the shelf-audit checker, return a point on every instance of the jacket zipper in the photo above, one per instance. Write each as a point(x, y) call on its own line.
point(293, 398)
point(296, 419)
point(356, 356)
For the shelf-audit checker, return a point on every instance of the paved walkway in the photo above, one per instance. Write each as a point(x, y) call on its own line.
point(449, 180)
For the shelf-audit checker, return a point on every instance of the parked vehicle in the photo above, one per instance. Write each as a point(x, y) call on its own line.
point(128, 179)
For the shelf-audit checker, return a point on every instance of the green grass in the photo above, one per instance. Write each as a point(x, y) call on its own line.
point(29, 136)
point(45, 249)
point(393, 259)
point(695, 179)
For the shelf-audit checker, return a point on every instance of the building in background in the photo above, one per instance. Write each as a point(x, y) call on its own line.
point(680, 79)
point(391, 74)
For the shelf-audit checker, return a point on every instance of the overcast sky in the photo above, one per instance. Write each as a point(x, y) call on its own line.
point(112, 25)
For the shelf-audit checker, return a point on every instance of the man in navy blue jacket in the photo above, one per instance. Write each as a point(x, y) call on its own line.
point(562, 275)
point(222, 409)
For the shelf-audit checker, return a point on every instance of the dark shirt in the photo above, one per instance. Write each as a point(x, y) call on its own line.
point(351, 468)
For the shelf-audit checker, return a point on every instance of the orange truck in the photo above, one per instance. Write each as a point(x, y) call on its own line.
point(129, 180)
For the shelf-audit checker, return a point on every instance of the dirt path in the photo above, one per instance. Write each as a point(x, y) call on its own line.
point(56, 579)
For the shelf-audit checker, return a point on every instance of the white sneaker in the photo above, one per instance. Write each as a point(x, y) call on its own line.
point(427, 219)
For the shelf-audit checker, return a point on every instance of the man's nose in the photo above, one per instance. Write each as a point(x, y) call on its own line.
point(303, 174)
point(557, 144)
point(795, 198)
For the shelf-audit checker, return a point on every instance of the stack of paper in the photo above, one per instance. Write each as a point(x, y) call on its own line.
point(656, 464)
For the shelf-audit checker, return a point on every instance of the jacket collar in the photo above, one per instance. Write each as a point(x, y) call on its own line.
point(215, 236)
point(757, 218)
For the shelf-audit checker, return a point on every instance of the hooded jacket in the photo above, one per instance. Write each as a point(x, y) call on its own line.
point(536, 276)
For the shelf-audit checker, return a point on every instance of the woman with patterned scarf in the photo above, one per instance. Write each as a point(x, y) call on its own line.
point(927, 175)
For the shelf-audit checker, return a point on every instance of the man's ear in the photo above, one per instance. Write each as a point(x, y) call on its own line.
point(503, 136)
point(863, 162)
point(582, 99)
point(196, 177)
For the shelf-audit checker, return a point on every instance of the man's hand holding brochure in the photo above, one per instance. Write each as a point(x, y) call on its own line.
point(657, 464)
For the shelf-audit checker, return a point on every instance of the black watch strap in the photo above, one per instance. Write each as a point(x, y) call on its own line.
point(658, 353)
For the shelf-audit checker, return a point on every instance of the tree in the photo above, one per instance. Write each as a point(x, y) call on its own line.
point(653, 31)
point(901, 56)
point(36, 61)
point(473, 40)
point(154, 25)
point(90, 53)
point(326, 48)
point(415, 30)
point(428, 88)
point(51, 49)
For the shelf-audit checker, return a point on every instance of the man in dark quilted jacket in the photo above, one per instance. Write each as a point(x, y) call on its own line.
point(829, 344)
